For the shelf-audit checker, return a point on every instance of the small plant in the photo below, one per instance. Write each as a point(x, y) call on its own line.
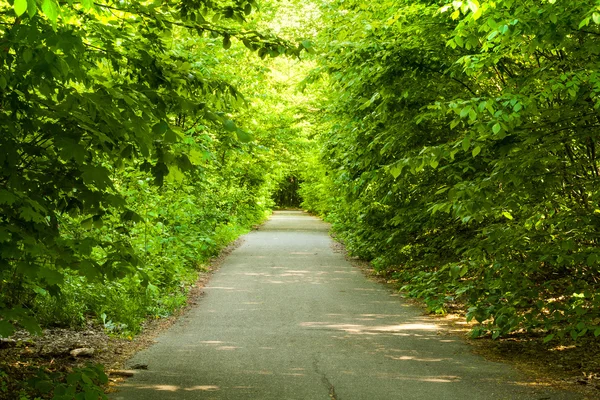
point(83, 383)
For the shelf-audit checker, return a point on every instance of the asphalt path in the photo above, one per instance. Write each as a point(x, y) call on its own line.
point(286, 317)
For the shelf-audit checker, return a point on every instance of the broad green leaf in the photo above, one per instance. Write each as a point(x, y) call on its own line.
point(20, 7)
point(50, 9)
point(243, 136)
point(44, 386)
point(396, 170)
point(476, 151)
point(7, 197)
point(229, 126)
point(7, 329)
point(496, 128)
point(27, 55)
point(584, 22)
point(507, 215)
point(52, 277)
point(32, 7)
point(465, 111)
point(472, 115)
point(91, 394)
point(30, 324)
point(573, 334)
point(466, 143)
point(160, 128)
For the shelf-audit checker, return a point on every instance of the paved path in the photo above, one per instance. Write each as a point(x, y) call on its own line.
point(287, 318)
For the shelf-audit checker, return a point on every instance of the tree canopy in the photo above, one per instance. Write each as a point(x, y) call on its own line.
point(452, 143)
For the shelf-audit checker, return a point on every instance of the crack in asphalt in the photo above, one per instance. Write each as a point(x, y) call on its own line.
point(332, 394)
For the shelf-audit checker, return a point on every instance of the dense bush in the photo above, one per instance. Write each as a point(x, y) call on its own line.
point(129, 155)
point(461, 138)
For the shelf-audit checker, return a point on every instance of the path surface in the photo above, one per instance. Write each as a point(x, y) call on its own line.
point(285, 317)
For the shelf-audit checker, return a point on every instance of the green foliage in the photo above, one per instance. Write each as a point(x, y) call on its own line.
point(130, 156)
point(81, 384)
point(460, 145)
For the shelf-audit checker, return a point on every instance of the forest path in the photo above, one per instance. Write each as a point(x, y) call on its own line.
point(286, 317)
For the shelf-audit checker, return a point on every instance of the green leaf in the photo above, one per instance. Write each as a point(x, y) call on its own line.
point(7, 329)
point(584, 22)
point(30, 324)
point(27, 55)
point(442, 190)
point(52, 277)
point(87, 223)
point(171, 136)
point(466, 143)
point(50, 9)
point(96, 175)
point(20, 7)
point(308, 46)
point(596, 18)
point(549, 338)
point(7, 197)
point(44, 386)
point(476, 151)
point(86, 379)
point(573, 334)
point(91, 394)
point(87, 4)
point(160, 128)
point(507, 215)
point(396, 170)
point(496, 128)
point(226, 42)
point(592, 259)
point(465, 111)
point(229, 126)
point(31, 7)
point(243, 136)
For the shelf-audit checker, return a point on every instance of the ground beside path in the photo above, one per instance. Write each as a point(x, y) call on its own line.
point(285, 317)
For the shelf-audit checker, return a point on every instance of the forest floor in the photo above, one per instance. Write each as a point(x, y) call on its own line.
point(573, 366)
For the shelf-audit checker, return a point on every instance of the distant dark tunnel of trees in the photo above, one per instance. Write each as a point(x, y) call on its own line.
point(287, 194)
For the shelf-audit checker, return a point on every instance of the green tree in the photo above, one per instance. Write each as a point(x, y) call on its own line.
point(462, 139)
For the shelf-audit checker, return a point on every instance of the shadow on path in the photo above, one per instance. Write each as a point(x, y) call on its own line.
point(287, 318)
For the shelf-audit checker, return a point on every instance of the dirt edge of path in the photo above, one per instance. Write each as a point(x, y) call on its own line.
point(570, 366)
point(116, 361)
point(23, 353)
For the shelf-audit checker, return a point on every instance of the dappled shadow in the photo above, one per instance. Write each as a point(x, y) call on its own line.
point(286, 318)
